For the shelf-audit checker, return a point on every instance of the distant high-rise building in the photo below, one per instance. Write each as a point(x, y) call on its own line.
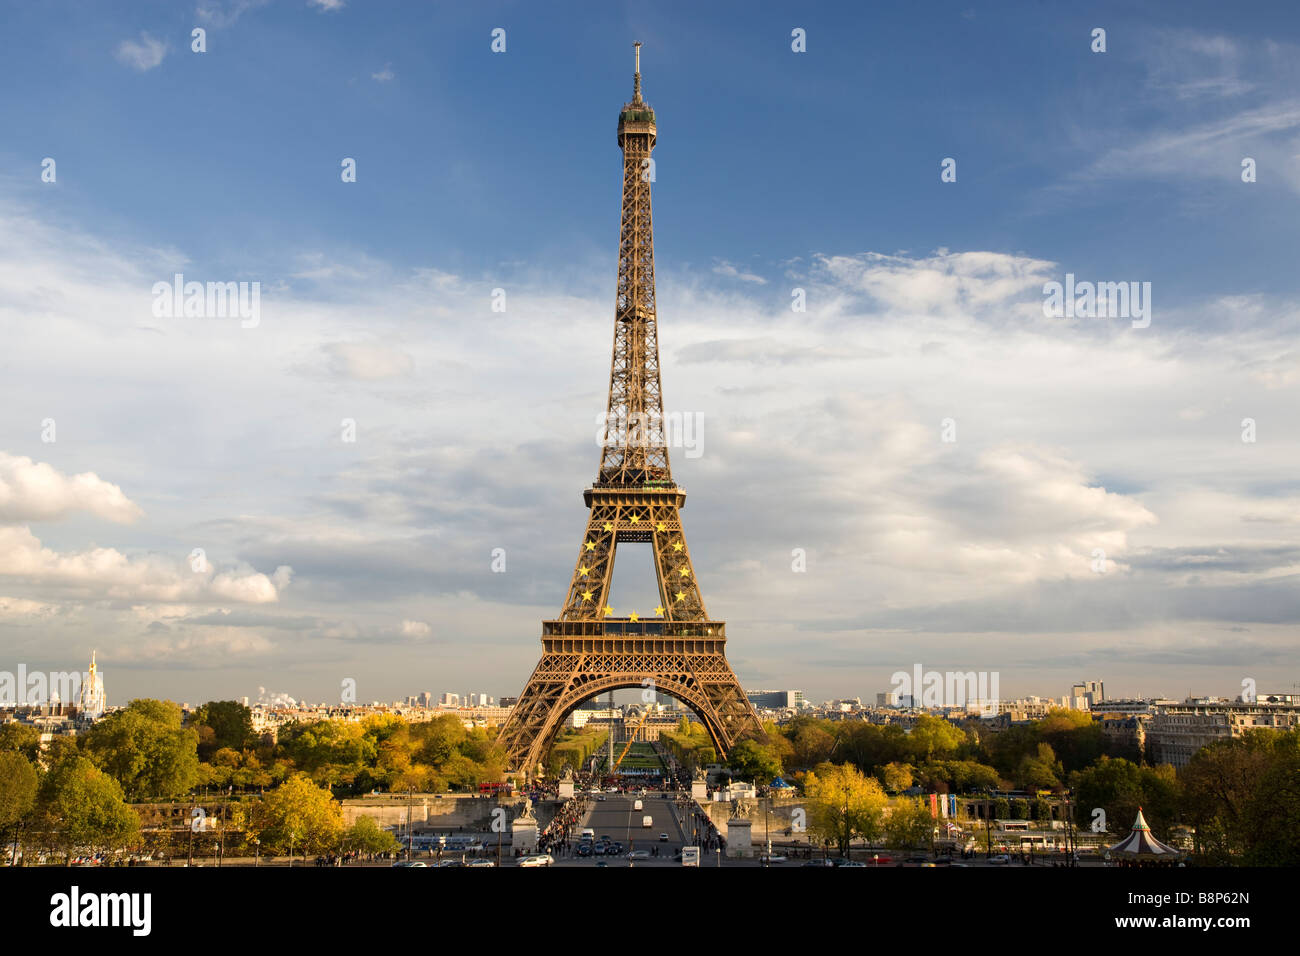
point(1091, 691)
point(776, 699)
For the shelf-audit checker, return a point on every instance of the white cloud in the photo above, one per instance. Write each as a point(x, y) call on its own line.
point(101, 573)
point(143, 54)
point(327, 5)
point(16, 608)
point(368, 362)
point(384, 75)
point(416, 629)
point(208, 648)
point(730, 271)
point(35, 491)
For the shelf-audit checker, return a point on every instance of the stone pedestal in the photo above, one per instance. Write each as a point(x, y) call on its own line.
point(699, 790)
point(739, 840)
point(566, 790)
point(523, 835)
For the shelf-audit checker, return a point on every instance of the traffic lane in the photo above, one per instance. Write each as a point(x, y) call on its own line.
point(615, 817)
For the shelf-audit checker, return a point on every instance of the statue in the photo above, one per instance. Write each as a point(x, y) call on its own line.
point(527, 813)
point(741, 807)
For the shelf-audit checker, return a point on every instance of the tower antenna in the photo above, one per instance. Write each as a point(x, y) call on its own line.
point(636, 79)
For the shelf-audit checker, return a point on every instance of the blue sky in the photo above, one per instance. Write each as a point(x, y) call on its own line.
point(473, 159)
point(775, 171)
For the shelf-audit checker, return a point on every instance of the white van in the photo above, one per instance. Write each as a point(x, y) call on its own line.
point(587, 834)
point(647, 821)
point(638, 805)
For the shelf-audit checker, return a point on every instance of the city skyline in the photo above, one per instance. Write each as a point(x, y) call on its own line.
point(376, 480)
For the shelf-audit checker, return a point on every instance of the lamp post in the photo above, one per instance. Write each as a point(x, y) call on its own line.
point(409, 792)
point(847, 852)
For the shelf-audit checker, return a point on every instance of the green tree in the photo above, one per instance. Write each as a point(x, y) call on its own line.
point(366, 836)
point(811, 741)
point(1120, 787)
point(145, 749)
point(909, 824)
point(1042, 771)
point(895, 777)
point(222, 723)
point(81, 807)
point(17, 791)
point(753, 761)
point(843, 804)
point(21, 737)
point(297, 816)
point(1243, 798)
point(934, 737)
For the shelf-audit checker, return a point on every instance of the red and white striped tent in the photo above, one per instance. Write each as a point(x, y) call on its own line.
point(1141, 845)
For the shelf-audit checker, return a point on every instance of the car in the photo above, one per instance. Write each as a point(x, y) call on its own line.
point(638, 854)
point(663, 838)
point(818, 863)
point(601, 863)
point(853, 863)
point(410, 863)
point(450, 863)
point(1000, 859)
point(480, 863)
point(601, 798)
point(768, 859)
point(538, 859)
point(585, 849)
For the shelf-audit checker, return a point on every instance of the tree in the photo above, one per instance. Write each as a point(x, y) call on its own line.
point(843, 804)
point(366, 836)
point(753, 761)
point(1119, 788)
point(908, 825)
point(80, 806)
point(1039, 772)
point(934, 736)
point(298, 816)
point(17, 791)
point(811, 741)
point(21, 737)
point(895, 777)
point(1242, 797)
point(145, 749)
point(230, 724)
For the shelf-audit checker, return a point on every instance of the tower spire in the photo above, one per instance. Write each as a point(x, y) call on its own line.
point(636, 77)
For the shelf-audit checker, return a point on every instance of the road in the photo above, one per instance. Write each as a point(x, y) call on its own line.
point(615, 818)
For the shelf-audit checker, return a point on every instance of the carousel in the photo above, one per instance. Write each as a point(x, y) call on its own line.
point(1140, 848)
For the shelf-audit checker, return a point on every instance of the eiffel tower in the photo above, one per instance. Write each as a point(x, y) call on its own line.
point(588, 650)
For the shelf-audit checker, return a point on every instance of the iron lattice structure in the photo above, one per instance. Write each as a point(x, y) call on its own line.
point(588, 651)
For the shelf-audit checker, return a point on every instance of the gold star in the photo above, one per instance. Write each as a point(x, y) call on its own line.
point(583, 570)
point(634, 618)
point(608, 610)
point(635, 518)
point(591, 545)
point(660, 526)
point(659, 611)
point(681, 596)
point(685, 573)
point(608, 526)
point(586, 595)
